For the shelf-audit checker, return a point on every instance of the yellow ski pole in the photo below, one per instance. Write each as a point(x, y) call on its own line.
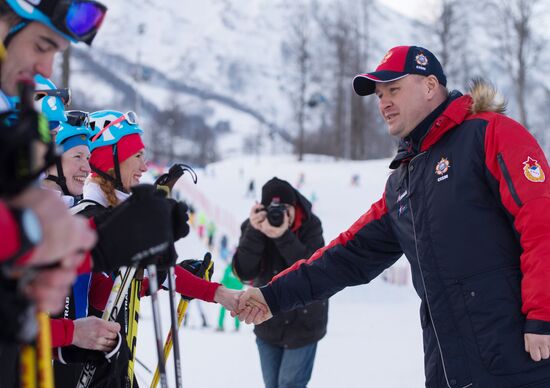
point(44, 352)
point(182, 309)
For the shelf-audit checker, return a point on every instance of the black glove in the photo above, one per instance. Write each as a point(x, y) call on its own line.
point(179, 215)
point(167, 260)
point(179, 219)
point(202, 268)
point(137, 231)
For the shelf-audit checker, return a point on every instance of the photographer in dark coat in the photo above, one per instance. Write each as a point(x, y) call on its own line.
point(280, 231)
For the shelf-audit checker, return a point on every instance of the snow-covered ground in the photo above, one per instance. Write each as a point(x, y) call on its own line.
point(374, 336)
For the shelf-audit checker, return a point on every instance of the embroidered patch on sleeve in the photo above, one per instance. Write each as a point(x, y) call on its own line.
point(532, 170)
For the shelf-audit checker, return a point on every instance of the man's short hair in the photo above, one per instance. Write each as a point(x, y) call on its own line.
point(7, 13)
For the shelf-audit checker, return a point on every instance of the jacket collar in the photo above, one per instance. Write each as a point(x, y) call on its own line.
point(444, 118)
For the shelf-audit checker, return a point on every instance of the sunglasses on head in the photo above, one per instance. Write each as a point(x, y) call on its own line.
point(78, 118)
point(130, 117)
point(63, 94)
point(79, 19)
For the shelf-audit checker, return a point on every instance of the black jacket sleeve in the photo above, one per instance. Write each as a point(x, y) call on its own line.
point(293, 249)
point(248, 257)
point(355, 257)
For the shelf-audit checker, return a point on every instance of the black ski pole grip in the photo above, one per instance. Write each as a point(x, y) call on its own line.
point(205, 264)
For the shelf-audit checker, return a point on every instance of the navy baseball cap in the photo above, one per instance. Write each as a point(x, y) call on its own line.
point(399, 62)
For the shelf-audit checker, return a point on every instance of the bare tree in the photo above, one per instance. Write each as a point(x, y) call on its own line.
point(454, 34)
point(337, 30)
point(296, 50)
point(518, 46)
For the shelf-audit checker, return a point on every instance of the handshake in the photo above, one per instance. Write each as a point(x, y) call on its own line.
point(249, 306)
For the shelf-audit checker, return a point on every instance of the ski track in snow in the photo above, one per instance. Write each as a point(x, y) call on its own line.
point(374, 335)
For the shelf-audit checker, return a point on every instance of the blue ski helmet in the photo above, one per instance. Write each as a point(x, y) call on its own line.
point(76, 21)
point(69, 136)
point(115, 137)
point(47, 102)
point(105, 133)
point(72, 133)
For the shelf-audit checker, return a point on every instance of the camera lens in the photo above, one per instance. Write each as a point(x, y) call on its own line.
point(276, 215)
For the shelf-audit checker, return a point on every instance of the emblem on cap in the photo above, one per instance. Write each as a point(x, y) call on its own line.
point(386, 57)
point(442, 166)
point(421, 62)
point(532, 170)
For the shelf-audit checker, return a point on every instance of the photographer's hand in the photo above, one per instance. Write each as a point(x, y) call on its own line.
point(257, 215)
point(275, 231)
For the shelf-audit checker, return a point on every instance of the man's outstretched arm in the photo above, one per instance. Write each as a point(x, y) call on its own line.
point(355, 257)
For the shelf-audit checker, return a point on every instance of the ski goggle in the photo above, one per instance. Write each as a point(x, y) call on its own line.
point(78, 118)
point(79, 19)
point(130, 117)
point(63, 94)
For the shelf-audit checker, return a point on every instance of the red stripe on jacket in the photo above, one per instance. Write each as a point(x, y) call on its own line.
point(376, 211)
point(11, 241)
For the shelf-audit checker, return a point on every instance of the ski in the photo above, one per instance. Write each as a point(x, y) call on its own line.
point(112, 308)
point(153, 285)
point(133, 312)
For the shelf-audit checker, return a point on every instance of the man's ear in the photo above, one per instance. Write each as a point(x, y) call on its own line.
point(432, 84)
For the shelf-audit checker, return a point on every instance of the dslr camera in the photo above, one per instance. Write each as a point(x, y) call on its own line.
point(276, 213)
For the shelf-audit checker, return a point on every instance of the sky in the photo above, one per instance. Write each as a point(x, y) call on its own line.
point(418, 9)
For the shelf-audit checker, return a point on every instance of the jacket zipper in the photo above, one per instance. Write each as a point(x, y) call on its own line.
point(508, 179)
point(422, 277)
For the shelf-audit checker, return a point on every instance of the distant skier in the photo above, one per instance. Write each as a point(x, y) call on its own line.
point(251, 191)
point(230, 281)
point(211, 233)
point(224, 248)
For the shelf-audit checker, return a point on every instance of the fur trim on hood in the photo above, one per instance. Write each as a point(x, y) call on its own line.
point(485, 97)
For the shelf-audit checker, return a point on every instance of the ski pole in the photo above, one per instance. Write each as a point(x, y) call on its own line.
point(44, 352)
point(153, 284)
point(36, 358)
point(182, 309)
point(174, 326)
point(144, 366)
point(167, 182)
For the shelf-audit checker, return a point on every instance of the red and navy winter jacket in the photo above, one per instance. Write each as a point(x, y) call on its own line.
point(470, 209)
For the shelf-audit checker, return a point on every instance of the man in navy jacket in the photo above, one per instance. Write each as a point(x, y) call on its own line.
point(468, 203)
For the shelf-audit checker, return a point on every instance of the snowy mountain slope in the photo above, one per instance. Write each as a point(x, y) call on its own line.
point(227, 58)
point(215, 53)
